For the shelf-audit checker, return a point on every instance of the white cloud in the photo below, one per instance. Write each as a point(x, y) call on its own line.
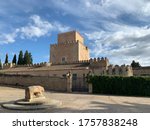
point(146, 9)
point(7, 38)
point(36, 28)
point(105, 8)
point(60, 27)
point(123, 45)
point(39, 27)
point(98, 15)
point(118, 28)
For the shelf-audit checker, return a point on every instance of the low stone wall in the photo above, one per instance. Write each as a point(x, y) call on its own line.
point(142, 71)
point(49, 83)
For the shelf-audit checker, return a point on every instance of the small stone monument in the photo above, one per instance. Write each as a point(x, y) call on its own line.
point(34, 93)
point(34, 100)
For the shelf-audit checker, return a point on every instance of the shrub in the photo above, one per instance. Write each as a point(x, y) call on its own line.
point(131, 86)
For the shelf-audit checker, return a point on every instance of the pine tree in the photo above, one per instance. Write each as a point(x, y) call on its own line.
point(30, 59)
point(20, 58)
point(135, 64)
point(14, 59)
point(26, 58)
point(6, 59)
point(0, 64)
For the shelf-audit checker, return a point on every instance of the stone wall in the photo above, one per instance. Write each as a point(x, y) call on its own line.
point(123, 70)
point(13, 65)
point(8, 65)
point(69, 36)
point(50, 73)
point(69, 51)
point(99, 63)
point(83, 52)
point(49, 83)
point(142, 71)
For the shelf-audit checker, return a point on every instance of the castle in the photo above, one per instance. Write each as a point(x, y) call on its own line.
point(69, 48)
point(70, 54)
point(68, 68)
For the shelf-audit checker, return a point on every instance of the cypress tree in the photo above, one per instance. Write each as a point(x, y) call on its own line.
point(20, 58)
point(0, 64)
point(26, 58)
point(14, 59)
point(6, 59)
point(30, 59)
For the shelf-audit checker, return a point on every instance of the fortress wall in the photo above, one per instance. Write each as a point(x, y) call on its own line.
point(142, 71)
point(49, 83)
point(79, 37)
point(69, 36)
point(67, 50)
point(99, 63)
point(83, 52)
point(51, 73)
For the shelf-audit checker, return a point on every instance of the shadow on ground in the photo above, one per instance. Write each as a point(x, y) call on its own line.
point(95, 107)
point(100, 107)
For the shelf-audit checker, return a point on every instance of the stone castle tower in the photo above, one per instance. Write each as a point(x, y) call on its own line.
point(69, 48)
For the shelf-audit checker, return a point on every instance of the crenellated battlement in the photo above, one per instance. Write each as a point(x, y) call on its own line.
point(93, 63)
point(42, 64)
point(64, 44)
point(99, 59)
point(12, 65)
point(69, 36)
point(99, 62)
point(8, 65)
point(123, 70)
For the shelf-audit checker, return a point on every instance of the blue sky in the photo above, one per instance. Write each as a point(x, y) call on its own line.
point(117, 29)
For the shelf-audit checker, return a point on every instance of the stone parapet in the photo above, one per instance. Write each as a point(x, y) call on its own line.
point(11, 65)
point(123, 70)
point(99, 62)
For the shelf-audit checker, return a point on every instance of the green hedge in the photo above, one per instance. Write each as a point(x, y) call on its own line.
point(131, 86)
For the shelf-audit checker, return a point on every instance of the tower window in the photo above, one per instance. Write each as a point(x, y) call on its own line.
point(63, 59)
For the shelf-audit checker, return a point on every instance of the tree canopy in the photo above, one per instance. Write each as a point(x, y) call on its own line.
point(0, 64)
point(20, 58)
point(14, 59)
point(6, 59)
point(28, 58)
point(23, 58)
point(135, 64)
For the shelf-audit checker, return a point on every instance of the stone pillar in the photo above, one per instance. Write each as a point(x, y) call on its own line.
point(90, 86)
point(69, 82)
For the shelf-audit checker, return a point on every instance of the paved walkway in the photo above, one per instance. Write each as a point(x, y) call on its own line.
point(81, 102)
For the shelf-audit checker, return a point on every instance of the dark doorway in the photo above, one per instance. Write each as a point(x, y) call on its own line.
point(79, 84)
